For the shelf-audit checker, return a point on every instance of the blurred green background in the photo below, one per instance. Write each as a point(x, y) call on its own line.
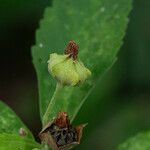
point(118, 108)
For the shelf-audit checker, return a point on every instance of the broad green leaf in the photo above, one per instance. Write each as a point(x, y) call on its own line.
point(16, 142)
point(139, 142)
point(98, 27)
point(10, 122)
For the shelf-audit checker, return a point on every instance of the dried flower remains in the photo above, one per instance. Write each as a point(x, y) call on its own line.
point(59, 134)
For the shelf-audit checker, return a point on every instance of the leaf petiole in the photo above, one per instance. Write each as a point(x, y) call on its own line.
point(52, 102)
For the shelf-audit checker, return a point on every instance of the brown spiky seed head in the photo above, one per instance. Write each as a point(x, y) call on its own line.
point(72, 50)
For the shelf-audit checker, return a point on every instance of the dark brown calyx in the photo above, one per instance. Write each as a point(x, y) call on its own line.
point(59, 134)
point(72, 50)
point(61, 130)
point(63, 136)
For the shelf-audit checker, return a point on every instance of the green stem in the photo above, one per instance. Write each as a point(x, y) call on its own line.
point(52, 102)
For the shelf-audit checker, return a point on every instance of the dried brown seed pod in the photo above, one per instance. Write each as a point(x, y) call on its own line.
point(59, 134)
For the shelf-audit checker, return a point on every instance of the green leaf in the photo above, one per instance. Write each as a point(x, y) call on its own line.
point(10, 122)
point(98, 27)
point(139, 142)
point(16, 142)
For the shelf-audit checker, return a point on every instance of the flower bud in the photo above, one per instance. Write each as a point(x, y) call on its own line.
point(66, 68)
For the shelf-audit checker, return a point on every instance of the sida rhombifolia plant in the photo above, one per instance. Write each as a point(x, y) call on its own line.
point(77, 42)
point(68, 71)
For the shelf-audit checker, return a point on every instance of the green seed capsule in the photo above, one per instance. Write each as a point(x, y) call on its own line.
point(66, 69)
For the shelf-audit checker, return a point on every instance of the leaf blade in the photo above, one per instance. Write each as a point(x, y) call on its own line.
point(138, 142)
point(10, 122)
point(95, 25)
point(16, 142)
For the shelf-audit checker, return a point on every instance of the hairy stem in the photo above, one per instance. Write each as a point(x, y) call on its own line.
point(51, 104)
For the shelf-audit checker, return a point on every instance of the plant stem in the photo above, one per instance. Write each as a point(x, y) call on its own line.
point(51, 103)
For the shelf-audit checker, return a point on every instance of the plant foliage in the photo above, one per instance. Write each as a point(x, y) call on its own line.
point(98, 27)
